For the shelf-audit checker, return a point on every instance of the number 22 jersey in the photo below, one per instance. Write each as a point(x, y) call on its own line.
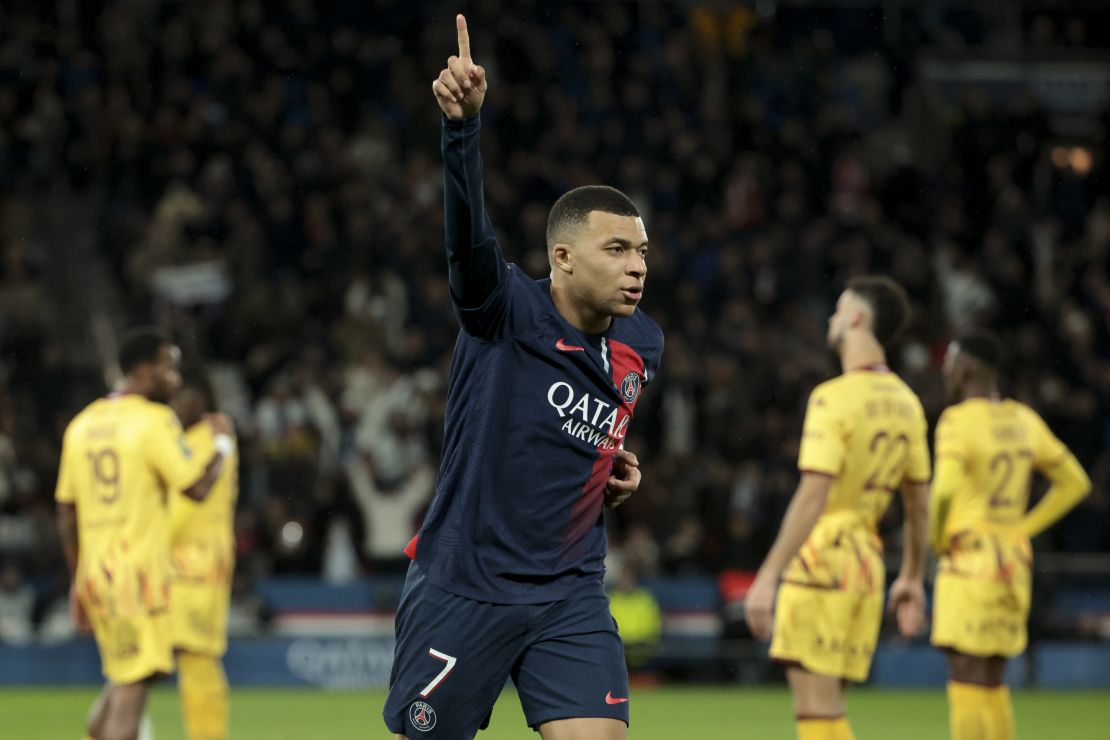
point(867, 430)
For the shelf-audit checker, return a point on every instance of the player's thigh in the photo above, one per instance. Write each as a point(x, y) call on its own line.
point(125, 711)
point(583, 728)
point(975, 669)
point(573, 666)
point(452, 659)
point(815, 695)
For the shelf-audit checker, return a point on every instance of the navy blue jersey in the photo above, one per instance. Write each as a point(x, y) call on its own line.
point(536, 410)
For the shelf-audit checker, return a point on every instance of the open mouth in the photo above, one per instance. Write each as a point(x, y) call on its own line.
point(634, 294)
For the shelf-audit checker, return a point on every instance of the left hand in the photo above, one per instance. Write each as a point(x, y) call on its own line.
point(624, 480)
point(759, 606)
point(907, 603)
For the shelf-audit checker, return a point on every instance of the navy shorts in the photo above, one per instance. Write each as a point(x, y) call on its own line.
point(454, 654)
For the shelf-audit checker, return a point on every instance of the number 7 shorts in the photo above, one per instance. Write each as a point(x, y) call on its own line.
point(454, 655)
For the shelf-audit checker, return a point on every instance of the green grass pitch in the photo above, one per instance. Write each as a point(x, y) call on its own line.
point(708, 713)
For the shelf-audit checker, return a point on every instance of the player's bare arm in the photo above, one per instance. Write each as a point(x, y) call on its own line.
point(67, 531)
point(907, 593)
point(801, 516)
point(461, 86)
point(221, 427)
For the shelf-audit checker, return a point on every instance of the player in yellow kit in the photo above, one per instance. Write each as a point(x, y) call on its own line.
point(122, 456)
point(864, 438)
point(203, 562)
point(987, 449)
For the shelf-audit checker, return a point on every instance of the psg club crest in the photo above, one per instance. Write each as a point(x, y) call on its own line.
point(422, 716)
point(630, 387)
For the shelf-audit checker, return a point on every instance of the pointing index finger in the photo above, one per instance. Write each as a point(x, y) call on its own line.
point(464, 37)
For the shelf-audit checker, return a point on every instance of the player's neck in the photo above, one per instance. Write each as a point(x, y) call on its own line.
point(861, 351)
point(989, 391)
point(577, 315)
point(123, 388)
point(127, 387)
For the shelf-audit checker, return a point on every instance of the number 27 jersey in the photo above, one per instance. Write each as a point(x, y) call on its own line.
point(1000, 443)
point(867, 430)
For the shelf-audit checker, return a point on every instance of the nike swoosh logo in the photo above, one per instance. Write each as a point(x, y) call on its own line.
point(561, 345)
point(610, 700)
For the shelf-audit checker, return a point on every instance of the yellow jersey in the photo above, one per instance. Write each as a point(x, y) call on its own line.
point(120, 458)
point(866, 430)
point(999, 443)
point(202, 532)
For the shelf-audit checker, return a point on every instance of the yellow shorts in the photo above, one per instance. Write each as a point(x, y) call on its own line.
point(830, 604)
point(198, 616)
point(134, 647)
point(982, 594)
point(128, 611)
point(200, 593)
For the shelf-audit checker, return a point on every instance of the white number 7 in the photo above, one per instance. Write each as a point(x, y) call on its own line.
point(450, 660)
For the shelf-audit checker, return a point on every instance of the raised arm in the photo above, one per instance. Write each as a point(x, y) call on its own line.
point(475, 265)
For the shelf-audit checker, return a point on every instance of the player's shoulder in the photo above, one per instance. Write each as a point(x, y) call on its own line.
point(143, 409)
point(640, 332)
point(641, 329)
point(1027, 414)
point(953, 419)
point(841, 390)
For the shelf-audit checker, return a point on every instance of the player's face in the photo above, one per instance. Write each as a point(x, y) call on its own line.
point(165, 374)
point(850, 310)
point(610, 263)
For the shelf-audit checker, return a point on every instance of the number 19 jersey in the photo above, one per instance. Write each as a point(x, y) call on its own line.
point(120, 458)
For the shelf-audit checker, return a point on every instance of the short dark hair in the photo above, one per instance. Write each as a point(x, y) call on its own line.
point(889, 303)
point(139, 345)
point(983, 345)
point(574, 207)
point(196, 379)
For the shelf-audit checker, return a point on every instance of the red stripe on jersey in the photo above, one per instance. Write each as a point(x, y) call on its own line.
point(410, 548)
point(587, 508)
point(624, 362)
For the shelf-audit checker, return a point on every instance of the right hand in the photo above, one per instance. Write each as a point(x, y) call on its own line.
point(759, 606)
point(77, 611)
point(461, 87)
point(907, 603)
point(220, 423)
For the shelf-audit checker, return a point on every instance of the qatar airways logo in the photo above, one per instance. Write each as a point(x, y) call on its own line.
point(589, 418)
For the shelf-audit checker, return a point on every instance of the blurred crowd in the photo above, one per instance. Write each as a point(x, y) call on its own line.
point(267, 186)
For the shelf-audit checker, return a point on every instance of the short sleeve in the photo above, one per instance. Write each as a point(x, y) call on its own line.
point(823, 445)
point(66, 490)
point(918, 469)
point(949, 437)
point(1048, 450)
